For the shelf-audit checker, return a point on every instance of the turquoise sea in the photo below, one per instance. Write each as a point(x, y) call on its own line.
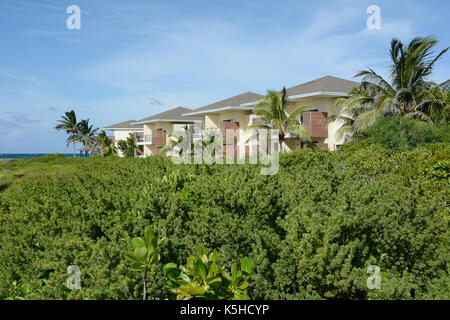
point(29, 155)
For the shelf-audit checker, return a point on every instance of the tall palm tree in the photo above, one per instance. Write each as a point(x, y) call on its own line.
point(86, 135)
point(273, 114)
point(411, 66)
point(104, 144)
point(69, 123)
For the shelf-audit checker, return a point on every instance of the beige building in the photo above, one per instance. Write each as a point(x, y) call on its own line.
point(122, 130)
point(158, 128)
point(232, 113)
point(237, 113)
point(320, 95)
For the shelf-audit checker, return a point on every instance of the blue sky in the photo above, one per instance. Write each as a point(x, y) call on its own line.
point(135, 58)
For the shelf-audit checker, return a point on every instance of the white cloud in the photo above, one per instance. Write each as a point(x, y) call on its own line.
point(202, 55)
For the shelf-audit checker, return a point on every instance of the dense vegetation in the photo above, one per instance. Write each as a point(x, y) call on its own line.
point(403, 133)
point(311, 230)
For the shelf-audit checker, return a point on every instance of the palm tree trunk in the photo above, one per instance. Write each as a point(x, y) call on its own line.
point(74, 151)
point(281, 140)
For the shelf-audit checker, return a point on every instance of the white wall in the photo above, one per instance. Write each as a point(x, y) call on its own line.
point(121, 135)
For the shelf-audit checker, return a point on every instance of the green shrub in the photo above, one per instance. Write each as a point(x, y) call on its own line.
point(202, 278)
point(402, 133)
point(311, 230)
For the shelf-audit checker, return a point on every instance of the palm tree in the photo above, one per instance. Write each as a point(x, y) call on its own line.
point(435, 105)
point(356, 112)
point(273, 114)
point(105, 144)
point(446, 85)
point(411, 66)
point(127, 146)
point(86, 135)
point(69, 123)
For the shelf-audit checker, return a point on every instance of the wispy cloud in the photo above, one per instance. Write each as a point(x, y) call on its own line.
point(206, 53)
point(11, 74)
point(21, 118)
point(39, 5)
point(53, 109)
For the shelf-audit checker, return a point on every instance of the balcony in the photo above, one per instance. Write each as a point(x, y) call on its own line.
point(315, 124)
point(144, 139)
point(157, 137)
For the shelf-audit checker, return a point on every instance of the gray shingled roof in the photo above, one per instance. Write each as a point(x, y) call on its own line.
point(325, 84)
point(172, 115)
point(235, 101)
point(125, 125)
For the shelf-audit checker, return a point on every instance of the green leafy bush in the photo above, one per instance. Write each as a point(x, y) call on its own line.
point(145, 254)
point(202, 278)
point(402, 133)
point(311, 230)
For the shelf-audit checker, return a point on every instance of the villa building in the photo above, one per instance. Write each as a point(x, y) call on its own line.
point(320, 95)
point(237, 113)
point(157, 128)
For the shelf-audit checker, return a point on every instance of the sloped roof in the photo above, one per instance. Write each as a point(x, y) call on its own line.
point(327, 84)
point(129, 124)
point(235, 101)
point(172, 115)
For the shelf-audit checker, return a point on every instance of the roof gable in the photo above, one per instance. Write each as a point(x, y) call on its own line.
point(172, 115)
point(324, 84)
point(247, 97)
point(124, 125)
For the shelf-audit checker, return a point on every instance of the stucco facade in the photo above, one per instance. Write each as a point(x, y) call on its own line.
point(150, 147)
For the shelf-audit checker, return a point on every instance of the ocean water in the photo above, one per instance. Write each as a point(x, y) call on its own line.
point(30, 155)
